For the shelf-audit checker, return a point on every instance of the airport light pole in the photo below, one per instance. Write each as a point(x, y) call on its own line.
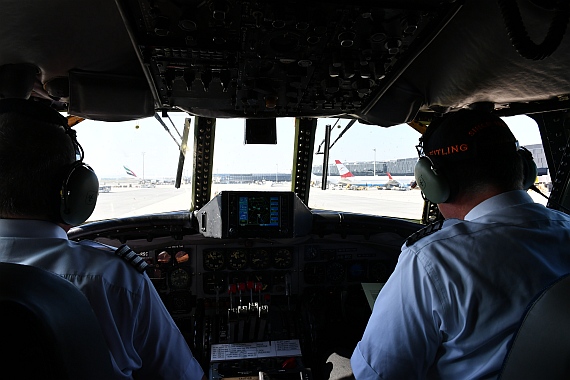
point(374, 160)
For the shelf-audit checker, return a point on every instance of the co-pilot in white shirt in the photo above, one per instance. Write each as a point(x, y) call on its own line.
point(456, 296)
point(142, 337)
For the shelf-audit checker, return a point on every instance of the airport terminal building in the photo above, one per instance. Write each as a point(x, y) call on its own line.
point(399, 167)
point(405, 166)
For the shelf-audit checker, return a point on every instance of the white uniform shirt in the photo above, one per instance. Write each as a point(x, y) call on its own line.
point(142, 337)
point(456, 296)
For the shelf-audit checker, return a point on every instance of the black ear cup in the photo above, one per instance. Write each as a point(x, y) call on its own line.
point(78, 194)
point(434, 186)
point(530, 171)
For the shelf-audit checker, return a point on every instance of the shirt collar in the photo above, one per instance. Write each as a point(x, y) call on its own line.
point(503, 200)
point(24, 228)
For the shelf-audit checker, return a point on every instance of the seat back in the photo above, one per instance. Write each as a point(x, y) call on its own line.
point(49, 330)
point(541, 347)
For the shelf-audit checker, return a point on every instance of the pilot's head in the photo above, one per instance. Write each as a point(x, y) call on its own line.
point(466, 152)
point(38, 155)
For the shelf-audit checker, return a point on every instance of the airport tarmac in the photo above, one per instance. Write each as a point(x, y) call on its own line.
point(124, 202)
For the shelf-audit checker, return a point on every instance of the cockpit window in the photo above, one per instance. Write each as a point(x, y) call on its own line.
point(370, 168)
point(136, 163)
point(252, 166)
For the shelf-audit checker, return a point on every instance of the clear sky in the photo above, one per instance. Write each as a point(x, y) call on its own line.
point(150, 149)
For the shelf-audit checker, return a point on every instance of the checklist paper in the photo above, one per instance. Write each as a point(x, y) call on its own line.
point(255, 350)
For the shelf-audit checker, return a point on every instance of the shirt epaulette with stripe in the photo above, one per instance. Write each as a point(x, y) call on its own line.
point(127, 254)
point(426, 231)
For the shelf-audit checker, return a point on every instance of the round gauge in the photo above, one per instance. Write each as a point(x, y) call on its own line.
point(181, 256)
point(283, 258)
point(163, 257)
point(335, 272)
point(356, 272)
point(310, 253)
point(237, 259)
point(179, 278)
point(259, 259)
point(214, 260)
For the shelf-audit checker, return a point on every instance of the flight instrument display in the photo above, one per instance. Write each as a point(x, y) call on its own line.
point(259, 211)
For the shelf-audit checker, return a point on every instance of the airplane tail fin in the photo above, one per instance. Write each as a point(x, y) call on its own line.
point(389, 175)
point(343, 170)
point(129, 171)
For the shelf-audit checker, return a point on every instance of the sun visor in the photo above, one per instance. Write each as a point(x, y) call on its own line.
point(108, 97)
point(400, 104)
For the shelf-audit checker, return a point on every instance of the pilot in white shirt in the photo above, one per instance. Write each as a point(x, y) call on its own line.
point(459, 290)
point(142, 337)
point(45, 188)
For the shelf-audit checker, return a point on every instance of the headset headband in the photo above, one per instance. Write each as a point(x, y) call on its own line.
point(465, 135)
point(44, 114)
point(34, 110)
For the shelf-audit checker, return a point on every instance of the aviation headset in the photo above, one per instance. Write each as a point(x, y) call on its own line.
point(428, 172)
point(80, 185)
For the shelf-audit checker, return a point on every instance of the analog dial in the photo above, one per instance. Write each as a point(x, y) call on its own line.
point(179, 278)
point(283, 258)
point(260, 259)
point(214, 260)
point(181, 257)
point(163, 257)
point(237, 259)
point(356, 272)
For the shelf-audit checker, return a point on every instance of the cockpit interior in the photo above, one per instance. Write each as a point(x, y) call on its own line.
point(257, 281)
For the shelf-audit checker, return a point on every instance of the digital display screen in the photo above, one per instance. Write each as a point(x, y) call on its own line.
point(260, 211)
point(254, 214)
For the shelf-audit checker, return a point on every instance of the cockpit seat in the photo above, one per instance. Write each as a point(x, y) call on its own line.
point(47, 328)
point(541, 347)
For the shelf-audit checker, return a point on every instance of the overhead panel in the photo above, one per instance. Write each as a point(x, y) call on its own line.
point(263, 59)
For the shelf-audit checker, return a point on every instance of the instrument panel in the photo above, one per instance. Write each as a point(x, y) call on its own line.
point(305, 290)
point(239, 259)
point(279, 269)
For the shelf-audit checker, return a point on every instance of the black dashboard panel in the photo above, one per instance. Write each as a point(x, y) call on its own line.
point(383, 62)
point(276, 268)
point(305, 290)
point(265, 59)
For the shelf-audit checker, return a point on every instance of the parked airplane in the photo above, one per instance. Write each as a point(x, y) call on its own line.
point(148, 182)
point(386, 181)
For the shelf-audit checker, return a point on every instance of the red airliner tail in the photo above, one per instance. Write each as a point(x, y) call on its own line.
point(343, 170)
